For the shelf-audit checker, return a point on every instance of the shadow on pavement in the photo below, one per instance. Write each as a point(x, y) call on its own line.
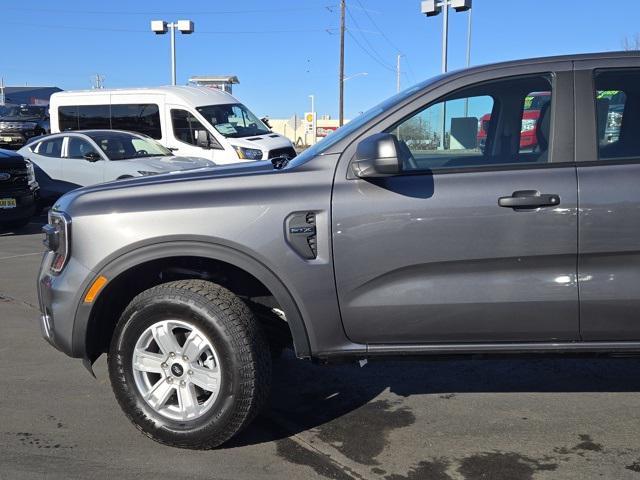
point(307, 396)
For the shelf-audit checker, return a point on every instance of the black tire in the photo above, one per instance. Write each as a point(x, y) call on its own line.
point(240, 345)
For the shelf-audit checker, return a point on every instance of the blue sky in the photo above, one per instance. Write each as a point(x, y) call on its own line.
point(281, 49)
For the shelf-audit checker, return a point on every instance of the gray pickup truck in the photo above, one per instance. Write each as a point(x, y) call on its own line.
point(422, 227)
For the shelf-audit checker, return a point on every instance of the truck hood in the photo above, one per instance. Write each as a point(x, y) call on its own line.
point(266, 143)
point(169, 164)
point(137, 186)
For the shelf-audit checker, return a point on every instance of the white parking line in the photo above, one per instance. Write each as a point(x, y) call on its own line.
point(22, 255)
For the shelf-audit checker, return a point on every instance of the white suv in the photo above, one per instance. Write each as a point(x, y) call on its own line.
point(66, 161)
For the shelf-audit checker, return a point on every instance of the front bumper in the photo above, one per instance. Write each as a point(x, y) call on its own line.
point(26, 203)
point(15, 140)
point(59, 297)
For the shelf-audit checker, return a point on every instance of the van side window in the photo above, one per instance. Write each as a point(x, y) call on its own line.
point(94, 116)
point(68, 118)
point(184, 126)
point(142, 118)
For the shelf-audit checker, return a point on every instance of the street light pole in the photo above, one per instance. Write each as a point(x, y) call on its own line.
point(445, 36)
point(341, 101)
point(432, 8)
point(172, 26)
point(160, 27)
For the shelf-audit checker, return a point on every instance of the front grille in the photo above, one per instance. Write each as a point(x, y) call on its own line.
point(288, 152)
point(19, 177)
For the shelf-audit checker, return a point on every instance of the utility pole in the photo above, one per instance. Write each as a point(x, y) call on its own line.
point(341, 101)
point(98, 81)
point(466, 100)
point(398, 73)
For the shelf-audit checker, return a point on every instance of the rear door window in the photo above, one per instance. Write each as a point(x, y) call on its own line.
point(617, 98)
point(51, 148)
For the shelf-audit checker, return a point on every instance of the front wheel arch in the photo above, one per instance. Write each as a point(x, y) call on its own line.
point(88, 316)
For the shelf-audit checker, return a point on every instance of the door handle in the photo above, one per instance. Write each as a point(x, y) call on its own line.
point(529, 199)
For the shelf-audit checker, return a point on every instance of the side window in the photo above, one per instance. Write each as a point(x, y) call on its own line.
point(78, 148)
point(68, 118)
point(93, 116)
point(496, 123)
point(184, 126)
point(536, 105)
point(617, 99)
point(51, 148)
point(141, 118)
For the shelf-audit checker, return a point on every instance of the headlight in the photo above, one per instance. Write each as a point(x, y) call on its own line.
point(528, 124)
point(18, 125)
point(56, 239)
point(248, 153)
point(31, 174)
point(146, 173)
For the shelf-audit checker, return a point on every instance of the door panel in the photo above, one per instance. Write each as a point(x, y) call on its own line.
point(608, 153)
point(430, 255)
point(75, 168)
point(435, 259)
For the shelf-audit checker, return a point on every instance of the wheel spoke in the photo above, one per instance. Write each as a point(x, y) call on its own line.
point(164, 338)
point(194, 345)
point(206, 378)
point(159, 394)
point(147, 362)
point(188, 401)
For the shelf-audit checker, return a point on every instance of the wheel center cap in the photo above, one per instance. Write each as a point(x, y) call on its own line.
point(177, 369)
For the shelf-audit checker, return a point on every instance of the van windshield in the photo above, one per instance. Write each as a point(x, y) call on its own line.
point(233, 120)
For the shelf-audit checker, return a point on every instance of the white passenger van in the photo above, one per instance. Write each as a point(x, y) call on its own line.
point(190, 121)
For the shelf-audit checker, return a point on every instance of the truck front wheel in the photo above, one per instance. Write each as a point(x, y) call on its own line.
point(189, 364)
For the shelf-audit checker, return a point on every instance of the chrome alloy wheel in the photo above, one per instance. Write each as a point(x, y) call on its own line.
point(176, 370)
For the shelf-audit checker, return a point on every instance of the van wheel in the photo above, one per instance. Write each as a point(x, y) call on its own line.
point(189, 364)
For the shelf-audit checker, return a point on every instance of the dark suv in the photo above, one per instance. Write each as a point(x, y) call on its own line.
point(19, 123)
point(19, 191)
point(396, 235)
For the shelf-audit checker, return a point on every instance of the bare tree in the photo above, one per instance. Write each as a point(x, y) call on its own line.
point(631, 43)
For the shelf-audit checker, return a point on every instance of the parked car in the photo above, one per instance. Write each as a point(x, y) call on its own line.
point(70, 160)
point(360, 247)
point(19, 123)
point(191, 121)
point(18, 190)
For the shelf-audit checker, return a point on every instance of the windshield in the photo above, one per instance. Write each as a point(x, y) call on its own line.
point(346, 130)
point(26, 111)
point(233, 120)
point(123, 146)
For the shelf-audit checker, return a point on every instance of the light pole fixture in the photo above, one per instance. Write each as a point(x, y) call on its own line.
point(160, 27)
point(359, 74)
point(431, 8)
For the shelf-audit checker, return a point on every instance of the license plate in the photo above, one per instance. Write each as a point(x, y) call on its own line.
point(7, 139)
point(7, 203)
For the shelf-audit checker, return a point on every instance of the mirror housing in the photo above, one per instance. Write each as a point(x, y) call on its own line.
point(377, 156)
point(203, 139)
point(92, 156)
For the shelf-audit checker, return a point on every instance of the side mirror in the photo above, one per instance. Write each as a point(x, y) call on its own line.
point(92, 156)
point(202, 139)
point(378, 156)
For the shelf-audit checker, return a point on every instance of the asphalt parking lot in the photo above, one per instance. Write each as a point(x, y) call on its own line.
point(452, 419)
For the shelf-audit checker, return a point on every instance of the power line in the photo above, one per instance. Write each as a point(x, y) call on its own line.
point(130, 30)
point(369, 53)
point(378, 28)
point(183, 12)
point(373, 50)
